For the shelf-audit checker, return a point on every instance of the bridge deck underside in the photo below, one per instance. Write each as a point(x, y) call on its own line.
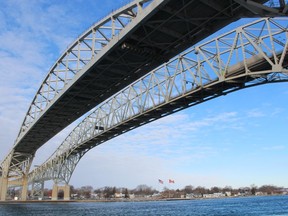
point(167, 31)
point(200, 95)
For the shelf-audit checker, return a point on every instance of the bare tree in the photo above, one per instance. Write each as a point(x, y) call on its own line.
point(188, 189)
point(126, 193)
point(109, 192)
point(215, 189)
point(200, 190)
point(144, 190)
point(86, 191)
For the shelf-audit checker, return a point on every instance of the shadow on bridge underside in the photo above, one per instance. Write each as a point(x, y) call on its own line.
point(250, 55)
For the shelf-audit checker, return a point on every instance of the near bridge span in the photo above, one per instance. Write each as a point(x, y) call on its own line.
point(250, 55)
point(112, 54)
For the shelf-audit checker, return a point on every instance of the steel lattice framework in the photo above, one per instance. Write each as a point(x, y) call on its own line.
point(79, 53)
point(250, 55)
point(62, 75)
point(112, 54)
point(86, 47)
point(106, 58)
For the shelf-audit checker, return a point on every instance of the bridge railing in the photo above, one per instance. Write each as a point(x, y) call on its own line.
point(252, 54)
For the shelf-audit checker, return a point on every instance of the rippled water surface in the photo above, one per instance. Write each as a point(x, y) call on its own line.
point(271, 205)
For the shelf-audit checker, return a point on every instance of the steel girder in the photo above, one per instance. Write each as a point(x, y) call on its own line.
point(118, 50)
point(254, 54)
point(274, 7)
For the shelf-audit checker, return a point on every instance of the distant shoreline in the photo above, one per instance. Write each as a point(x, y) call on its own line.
point(122, 200)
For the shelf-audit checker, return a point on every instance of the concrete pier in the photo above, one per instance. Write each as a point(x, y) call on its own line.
point(3, 188)
point(57, 188)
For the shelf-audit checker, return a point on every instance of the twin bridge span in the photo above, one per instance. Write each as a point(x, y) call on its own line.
point(247, 56)
point(128, 44)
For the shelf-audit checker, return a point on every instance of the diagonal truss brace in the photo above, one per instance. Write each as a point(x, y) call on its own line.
point(247, 56)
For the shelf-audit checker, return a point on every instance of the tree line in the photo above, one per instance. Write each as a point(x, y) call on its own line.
point(87, 192)
point(109, 192)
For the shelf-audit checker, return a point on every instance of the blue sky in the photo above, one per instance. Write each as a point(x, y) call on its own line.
point(238, 139)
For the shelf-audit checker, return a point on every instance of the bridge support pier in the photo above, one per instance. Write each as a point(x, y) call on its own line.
point(67, 192)
point(24, 188)
point(65, 188)
point(55, 192)
point(0, 186)
point(3, 188)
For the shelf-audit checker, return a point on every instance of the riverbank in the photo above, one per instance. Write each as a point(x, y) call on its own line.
point(249, 206)
point(122, 200)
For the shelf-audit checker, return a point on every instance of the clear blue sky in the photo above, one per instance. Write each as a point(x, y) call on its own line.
point(238, 139)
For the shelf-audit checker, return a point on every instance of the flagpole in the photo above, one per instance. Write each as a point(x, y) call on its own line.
point(160, 182)
point(170, 181)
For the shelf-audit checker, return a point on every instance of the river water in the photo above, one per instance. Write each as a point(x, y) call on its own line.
point(270, 205)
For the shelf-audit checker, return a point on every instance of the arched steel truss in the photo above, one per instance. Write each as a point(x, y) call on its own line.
point(247, 56)
point(97, 40)
point(84, 49)
point(77, 55)
point(81, 51)
point(91, 42)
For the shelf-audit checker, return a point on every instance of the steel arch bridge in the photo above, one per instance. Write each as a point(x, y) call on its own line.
point(115, 52)
point(250, 55)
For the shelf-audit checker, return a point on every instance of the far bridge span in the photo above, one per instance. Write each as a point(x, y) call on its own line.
point(250, 55)
point(112, 54)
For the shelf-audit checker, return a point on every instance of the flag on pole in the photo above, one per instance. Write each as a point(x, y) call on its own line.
point(171, 181)
point(160, 181)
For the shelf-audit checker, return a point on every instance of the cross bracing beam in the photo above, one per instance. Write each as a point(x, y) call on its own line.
point(154, 30)
point(37, 190)
point(271, 8)
point(254, 54)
